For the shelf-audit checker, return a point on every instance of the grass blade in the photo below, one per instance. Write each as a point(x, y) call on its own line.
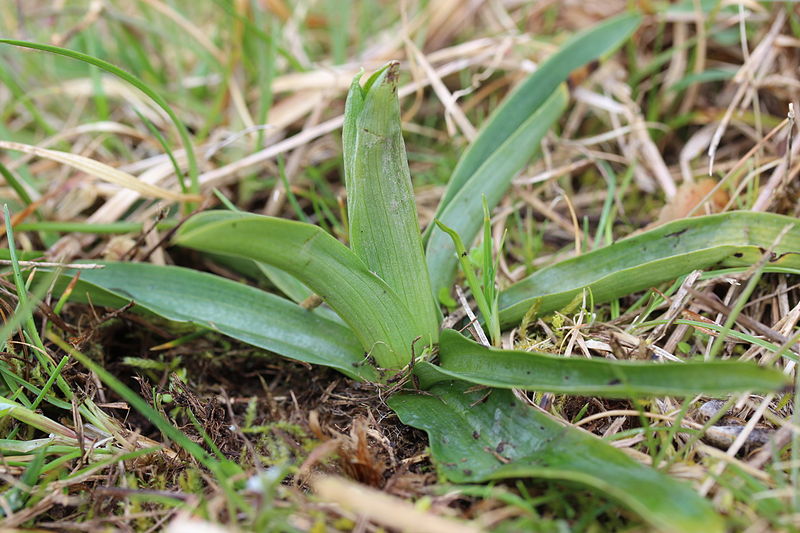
point(323, 264)
point(32, 418)
point(486, 306)
point(222, 469)
point(139, 84)
point(471, 443)
point(234, 309)
point(15, 498)
point(650, 258)
point(464, 359)
point(384, 230)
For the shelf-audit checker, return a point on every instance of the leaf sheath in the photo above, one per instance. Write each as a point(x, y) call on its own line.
point(384, 230)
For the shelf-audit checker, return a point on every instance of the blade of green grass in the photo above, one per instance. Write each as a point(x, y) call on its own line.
point(17, 185)
point(33, 419)
point(380, 320)
point(21, 96)
point(478, 436)
point(269, 38)
point(486, 306)
point(23, 316)
point(16, 497)
point(464, 359)
point(732, 335)
point(222, 469)
point(234, 309)
point(22, 293)
point(90, 227)
point(714, 74)
point(161, 140)
point(510, 138)
point(384, 230)
point(652, 257)
point(340, 15)
point(139, 84)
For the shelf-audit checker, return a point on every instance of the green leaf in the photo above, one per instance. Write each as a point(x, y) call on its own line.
point(713, 74)
point(16, 497)
point(464, 359)
point(586, 46)
point(463, 212)
point(510, 138)
point(380, 320)
point(384, 230)
point(234, 309)
point(485, 435)
point(734, 239)
point(286, 283)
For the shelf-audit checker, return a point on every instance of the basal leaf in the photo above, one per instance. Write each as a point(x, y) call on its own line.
point(529, 95)
point(484, 435)
point(380, 320)
point(652, 257)
point(234, 309)
point(510, 138)
point(464, 359)
point(463, 213)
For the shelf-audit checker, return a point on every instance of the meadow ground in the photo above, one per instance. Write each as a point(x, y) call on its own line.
point(260, 87)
